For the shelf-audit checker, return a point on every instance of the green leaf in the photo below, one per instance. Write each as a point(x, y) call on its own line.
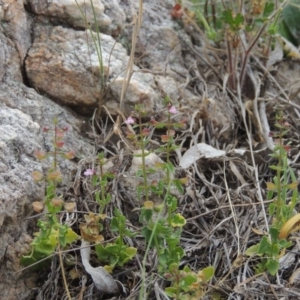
point(169, 167)
point(62, 229)
point(130, 252)
point(139, 173)
point(114, 224)
point(272, 266)
point(71, 236)
point(28, 260)
point(146, 232)
point(45, 248)
point(291, 15)
point(187, 281)
point(171, 291)
point(274, 232)
point(272, 208)
point(275, 168)
point(178, 185)
point(264, 246)
point(268, 10)
point(171, 202)
point(271, 186)
point(227, 17)
point(208, 273)
point(178, 220)
point(130, 233)
point(253, 250)
point(146, 215)
point(234, 23)
point(285, 244)
point(293, 186)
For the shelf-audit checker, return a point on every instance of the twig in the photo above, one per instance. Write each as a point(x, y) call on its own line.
point(232, 210)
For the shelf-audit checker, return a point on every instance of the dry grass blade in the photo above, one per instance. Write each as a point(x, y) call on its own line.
point(137, 23)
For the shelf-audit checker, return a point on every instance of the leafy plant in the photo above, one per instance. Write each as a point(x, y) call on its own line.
point(162, 224)
point(186, 284)
point(101, 179)
point(162, 235)
point(117, 253)
point(52, 233)
point(284, 193)
point(290, 27)
point(52, 236)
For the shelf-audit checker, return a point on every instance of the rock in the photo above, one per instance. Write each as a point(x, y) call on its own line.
point(155, 175)
point(10, 64)
point(64, 66)
point(76, 13)
point(16, 25)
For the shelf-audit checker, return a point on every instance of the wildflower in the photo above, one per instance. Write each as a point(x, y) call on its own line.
point(173, 110)
point(37, 176)
point(38, 206)
point(166, 138)
point(88, 172)
point(130, 120)
point(54, 175)
point(40, 154)
point(70, 154)
point(146, 132)
point(57, 202)
point(59, 133)
point(59, 144)
point(69, 206)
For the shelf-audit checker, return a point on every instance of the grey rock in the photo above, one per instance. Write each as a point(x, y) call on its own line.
point(77, 13)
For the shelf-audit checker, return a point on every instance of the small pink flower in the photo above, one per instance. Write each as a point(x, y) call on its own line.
point(173, 110)
point(88, 172)
point(130, 120)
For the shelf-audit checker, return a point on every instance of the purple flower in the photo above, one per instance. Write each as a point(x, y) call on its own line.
point(130, 120)
point(88, 172)
point(173, 110)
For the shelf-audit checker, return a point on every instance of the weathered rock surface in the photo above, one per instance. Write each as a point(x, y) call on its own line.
point(77, 13)
point(16, 25)
point(63, 65)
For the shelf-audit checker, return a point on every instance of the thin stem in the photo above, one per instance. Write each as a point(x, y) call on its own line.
point(63, 272)
point(142, 144)
point(168, 169)
point(248, 51)
point(230, 64)
point(55, 148)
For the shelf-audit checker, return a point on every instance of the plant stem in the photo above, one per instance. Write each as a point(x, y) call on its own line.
point(168, 180)
point(142, 144)
point(63, 272)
